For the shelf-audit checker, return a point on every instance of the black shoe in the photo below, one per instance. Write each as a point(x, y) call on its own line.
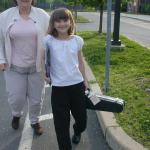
point(76, 138)
point(15, 123)
point(38, 130)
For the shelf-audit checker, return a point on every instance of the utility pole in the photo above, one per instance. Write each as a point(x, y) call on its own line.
point(108, 46)
point(4, 5)
point(116, 40)
point(75, 14)
point(75, 10)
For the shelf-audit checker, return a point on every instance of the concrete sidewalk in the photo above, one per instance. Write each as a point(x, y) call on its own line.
point(145, 18)
point(115, 136)
point(140, 17)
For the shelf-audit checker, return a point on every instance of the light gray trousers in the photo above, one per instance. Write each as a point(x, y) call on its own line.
point(22, 88)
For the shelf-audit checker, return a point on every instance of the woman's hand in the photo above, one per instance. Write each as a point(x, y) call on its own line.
point(2, 67)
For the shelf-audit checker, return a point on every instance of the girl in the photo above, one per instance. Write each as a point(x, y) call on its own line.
point(67, 77)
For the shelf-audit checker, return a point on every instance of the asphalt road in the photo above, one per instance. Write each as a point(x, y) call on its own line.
point(136, 30)
point(92, 138)
point(9, 139)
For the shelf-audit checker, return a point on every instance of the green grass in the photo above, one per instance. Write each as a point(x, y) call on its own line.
point(81, 19)
point(129, 78)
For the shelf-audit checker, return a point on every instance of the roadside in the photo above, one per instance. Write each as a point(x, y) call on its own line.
point(115, 136)
point(128, 80)
point(145, 18)
point(134, 29)
point(140, 17)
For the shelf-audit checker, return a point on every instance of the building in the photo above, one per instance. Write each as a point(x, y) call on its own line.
point(139, 6)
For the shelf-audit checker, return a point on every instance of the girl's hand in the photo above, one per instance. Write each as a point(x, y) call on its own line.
point(2, 67)
point(86, 85)
point(48, 80)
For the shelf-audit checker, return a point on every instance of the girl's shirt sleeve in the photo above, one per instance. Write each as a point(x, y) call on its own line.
point(80, 43)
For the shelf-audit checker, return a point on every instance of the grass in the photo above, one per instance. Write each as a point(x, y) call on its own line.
point(81, 19)
point(129, 79)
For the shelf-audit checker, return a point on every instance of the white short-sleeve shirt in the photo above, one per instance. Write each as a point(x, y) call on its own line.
point(64, 64)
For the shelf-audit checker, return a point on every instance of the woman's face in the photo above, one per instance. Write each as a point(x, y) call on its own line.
point(24, 3)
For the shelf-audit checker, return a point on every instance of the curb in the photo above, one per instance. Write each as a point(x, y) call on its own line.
point(132, 17)
point(115, 136)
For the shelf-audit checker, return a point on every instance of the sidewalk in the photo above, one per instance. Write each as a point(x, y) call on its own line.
point(145, 18)
point(115, 136)
point(140, 17)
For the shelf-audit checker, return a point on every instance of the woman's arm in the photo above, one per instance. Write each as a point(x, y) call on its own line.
point(3, 64)
point(46, 61)
point(82, 68)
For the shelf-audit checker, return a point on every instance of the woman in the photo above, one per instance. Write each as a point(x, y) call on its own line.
point(21, 57)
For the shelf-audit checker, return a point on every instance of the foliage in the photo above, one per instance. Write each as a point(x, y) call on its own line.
point(145, 9)
point(81, 19)
point(124, 6)
point(4, 4)
point(93, 3)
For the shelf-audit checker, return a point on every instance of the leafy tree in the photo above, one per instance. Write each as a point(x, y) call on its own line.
point(124, 4)
point(4, 4)
point(97, 4)
point(73, 4)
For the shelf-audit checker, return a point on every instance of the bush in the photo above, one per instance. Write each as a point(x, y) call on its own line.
point(124, 6)
point(145, 9)
point(5, 5)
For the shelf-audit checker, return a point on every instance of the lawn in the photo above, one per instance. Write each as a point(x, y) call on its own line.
point(129, 79)
point(81, 19)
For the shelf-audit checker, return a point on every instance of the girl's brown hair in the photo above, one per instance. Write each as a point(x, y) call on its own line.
point(61, 14)
point(33, 2)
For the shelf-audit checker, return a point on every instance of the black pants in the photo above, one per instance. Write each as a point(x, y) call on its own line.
point(64, 100)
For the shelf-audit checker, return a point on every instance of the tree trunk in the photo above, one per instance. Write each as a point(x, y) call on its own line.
point(75, 10)
point(101, 19)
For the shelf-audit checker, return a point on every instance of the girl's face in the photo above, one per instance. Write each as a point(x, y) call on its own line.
point(62, 26)
point(24, 3)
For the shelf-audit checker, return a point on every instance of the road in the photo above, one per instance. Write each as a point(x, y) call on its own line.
point(134, 29)
point(23, 139)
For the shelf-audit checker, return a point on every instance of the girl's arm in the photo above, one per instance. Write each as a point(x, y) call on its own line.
point(82, 69)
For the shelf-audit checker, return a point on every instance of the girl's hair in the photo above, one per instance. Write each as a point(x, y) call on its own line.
point(61, 14)
point(15, 2)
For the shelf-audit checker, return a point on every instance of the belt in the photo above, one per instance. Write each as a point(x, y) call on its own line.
point(23, 70)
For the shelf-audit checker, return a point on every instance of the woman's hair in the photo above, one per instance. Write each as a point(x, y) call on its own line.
point(61, 14)
point(33, 2)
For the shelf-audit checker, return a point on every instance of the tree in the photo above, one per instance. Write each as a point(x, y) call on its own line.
point(4, 4)
point(93, 3)
point(124, 5)
point(73, 4)
point(97, 4)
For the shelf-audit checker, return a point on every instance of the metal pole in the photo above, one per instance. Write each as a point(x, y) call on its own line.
point(116, 40)
point(108, 45)
point(4, 5)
